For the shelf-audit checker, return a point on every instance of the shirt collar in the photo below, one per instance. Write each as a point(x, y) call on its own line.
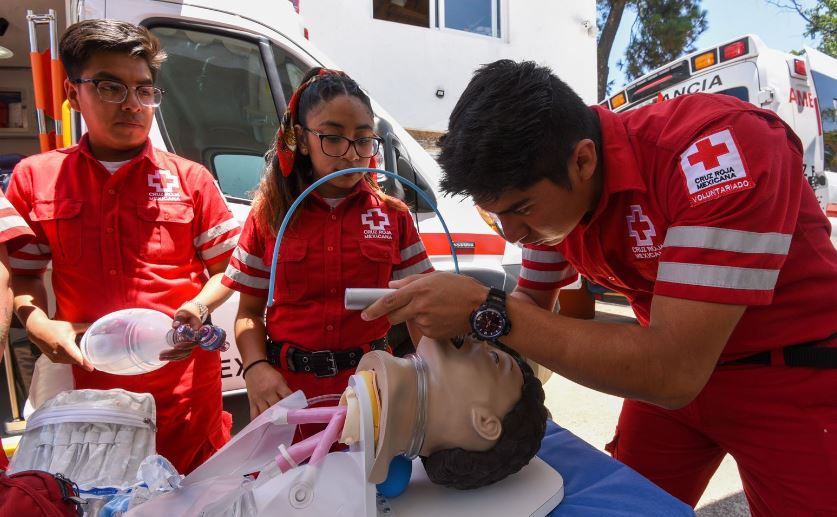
point(620, 168)
point(148, 152)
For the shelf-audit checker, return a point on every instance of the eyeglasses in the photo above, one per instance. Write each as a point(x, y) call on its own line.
point(116, 92)
point(337, 146)
point(492, 220)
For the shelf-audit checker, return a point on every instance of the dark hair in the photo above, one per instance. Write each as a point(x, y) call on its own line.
point(83, 39)
point(523, 429)
point(515, 124)
point(275, 192)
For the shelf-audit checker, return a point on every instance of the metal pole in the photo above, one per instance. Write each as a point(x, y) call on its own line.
point(17, 424)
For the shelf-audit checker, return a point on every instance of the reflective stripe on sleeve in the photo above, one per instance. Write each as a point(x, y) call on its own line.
point(12, 221)
point(219, 248)
point(34, 265)
point(727, 240)
point(725, 277)
point(242, 278)
point(36, 249)
point(543, 256)
point(250, 260)
point(419, 267)
point(411, 251)
point(215, 232)
point(546, 277)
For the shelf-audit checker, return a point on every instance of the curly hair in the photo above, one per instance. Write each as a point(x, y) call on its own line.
point(83, 39)
point(523, 430)
point(515, 124)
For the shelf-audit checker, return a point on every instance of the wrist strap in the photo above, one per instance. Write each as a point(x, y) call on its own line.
point(254, 363)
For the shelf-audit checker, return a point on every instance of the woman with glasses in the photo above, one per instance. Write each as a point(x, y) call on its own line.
point(347, 233)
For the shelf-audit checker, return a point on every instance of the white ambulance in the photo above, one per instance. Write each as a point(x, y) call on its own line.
point(801, 89)
point(230, 71)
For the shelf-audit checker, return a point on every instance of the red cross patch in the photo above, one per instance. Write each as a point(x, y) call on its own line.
point(713, 168)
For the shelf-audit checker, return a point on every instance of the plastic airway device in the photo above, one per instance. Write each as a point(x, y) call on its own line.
point(357, 299)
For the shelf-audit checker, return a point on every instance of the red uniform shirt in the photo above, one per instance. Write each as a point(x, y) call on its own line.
point(14, 233)
point(695, 207)
point(361, 242)
point(140, 237)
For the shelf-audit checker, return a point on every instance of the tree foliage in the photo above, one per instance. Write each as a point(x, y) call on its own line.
point(662, 31)
point(820, 21)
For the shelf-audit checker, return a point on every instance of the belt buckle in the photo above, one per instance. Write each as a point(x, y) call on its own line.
point(331, 363)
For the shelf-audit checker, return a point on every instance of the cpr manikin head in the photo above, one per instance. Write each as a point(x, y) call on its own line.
point(485, 414)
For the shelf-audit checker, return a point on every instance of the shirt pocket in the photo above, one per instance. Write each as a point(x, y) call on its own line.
point(165, 232)
point(378, 260)
point(61, 222)
point(292, 277)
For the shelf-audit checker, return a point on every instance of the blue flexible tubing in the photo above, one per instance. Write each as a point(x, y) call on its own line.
point(330, 177)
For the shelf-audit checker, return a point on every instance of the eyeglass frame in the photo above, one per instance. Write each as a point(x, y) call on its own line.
point(95, 83)
point(352, 143)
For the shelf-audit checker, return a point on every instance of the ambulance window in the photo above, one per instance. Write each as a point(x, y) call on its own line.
point(218, 102)
point(411, 12)
point(739, 92)
point(826, 87)
point(290, 71)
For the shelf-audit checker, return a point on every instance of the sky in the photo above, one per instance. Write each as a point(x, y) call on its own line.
point(728, 19)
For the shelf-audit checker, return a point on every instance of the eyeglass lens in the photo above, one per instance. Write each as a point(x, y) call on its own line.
point(110, 91)
point(336, 146)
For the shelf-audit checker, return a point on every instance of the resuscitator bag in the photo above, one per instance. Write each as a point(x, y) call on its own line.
point(97, 438)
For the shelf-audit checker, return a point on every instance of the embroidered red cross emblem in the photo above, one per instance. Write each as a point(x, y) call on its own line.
point(708, 154)
point(639, 219)
point(375, 219)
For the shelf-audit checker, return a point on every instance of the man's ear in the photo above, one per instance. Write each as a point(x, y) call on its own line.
point(486, 424)
point(72, 94)
point(585, 159)
point(300, 139)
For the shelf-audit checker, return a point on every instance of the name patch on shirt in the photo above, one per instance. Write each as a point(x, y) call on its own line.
point(376, 223)
point(641, 229)
point(713, 168)
point(164, 186)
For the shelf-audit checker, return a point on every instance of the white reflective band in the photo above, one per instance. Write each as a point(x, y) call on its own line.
point(216, 231)
point(242, 278)
point(727, 240)
point(411, 251)
point(36, 249)
point(546, 277)
point(219, 248)
point(542, 256)
point(17, 263)
point(725, 277)
point(251, 260)
point(415, 269)
point(12, 221)
point(5, 203)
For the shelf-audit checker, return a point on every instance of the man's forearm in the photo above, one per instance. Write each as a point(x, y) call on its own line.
point(30, 297)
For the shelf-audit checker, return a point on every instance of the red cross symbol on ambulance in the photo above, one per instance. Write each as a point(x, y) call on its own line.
point(163, 181)
point(375, 219)
point(643, 224)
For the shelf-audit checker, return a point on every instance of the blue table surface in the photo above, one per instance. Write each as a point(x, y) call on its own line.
point(597, 485)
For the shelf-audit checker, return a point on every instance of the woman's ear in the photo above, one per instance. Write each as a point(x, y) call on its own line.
point(486, 424)
point(300, 139)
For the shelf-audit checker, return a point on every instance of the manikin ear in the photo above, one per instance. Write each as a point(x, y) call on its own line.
point(486, 424)
point(300, 139)
point(72, 94)
point(583, 161)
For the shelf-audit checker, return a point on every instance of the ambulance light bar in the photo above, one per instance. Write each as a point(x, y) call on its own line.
point(617, 100)
point(799, 67)
point(704, 60)
point(734, 49)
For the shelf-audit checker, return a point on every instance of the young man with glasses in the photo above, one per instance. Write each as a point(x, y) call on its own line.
point(125, 225)
point(696, 209)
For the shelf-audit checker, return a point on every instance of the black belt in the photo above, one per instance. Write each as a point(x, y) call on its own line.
point(808, 355)
point(321, 363)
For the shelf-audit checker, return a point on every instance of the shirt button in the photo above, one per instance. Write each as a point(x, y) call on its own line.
point(332, 290)
point(611, 278)
point(330, 248)
point(333, 217)
point(329, 327)
point(111, 192)
point(112, 272)
point(166, 217)
point(109, 230)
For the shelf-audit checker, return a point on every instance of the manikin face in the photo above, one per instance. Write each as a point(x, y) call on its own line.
point(481, 383)
point(346, 116)
point(545, 213)
point(117, 131)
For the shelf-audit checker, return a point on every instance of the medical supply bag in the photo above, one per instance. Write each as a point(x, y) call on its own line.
point(39, 494)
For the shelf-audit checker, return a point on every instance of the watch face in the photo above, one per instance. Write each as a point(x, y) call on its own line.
point(490, 323)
